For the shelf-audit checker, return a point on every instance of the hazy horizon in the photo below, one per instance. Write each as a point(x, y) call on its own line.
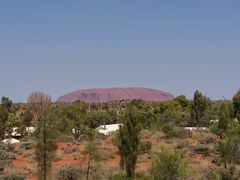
point(62, 46)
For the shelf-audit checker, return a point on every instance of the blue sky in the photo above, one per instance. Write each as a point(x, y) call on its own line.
point(177, 46)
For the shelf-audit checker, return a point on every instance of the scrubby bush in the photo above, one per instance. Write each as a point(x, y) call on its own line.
point(212, 174)
point(115, 139)
point(175, 132)
point(229, 146)
point(13, 177)
point(158, 135)
point(207, 138)
point(145, 134)
point(96, 172)
point(166, 128)
point(214, 128)
point(107, 156)
point(119, 176)
point(5, 156)
point(142, 176)
point(182, 144)
point(169, 165)
point(144, 147)
point(139, 176)
point(228, 174)
point(172, 133)
point(69, 173)
point(201, 149)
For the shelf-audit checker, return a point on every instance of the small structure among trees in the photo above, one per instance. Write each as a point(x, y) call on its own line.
point(108, 129)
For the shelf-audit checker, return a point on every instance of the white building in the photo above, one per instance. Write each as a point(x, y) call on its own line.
point(30, 130)
point(15, 132)
point(108, 129)
point(10, 141)
point(196, 128)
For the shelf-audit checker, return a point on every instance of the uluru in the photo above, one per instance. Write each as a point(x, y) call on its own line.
point(99, 95)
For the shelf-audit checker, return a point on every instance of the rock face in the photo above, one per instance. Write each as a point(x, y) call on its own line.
point(114, 94)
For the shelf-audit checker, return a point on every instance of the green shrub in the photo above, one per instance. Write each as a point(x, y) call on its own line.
point(212, 174)
point(175, 132)
point(158, 135)
point(70, 173)
point(68, 138)
point(214, 128)
point(228, 174)
point(58, 156)
point(205, 153)
point(145, 134)
point(182, 144)
point(172, 133)
point(144, 147)
point(12, 177)
point(141, 175)
point(169, 165)
point(119, 176)
point(138, 176)
point(96, 172)
point(115, 139)
point(108, 156)
point(5, 156)
point(166, 128)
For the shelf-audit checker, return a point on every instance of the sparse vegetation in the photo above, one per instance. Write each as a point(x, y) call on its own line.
point(91, 150)
point(13, 177)
point(169, 165)
point(6, 157)
point(70, 173)
point(144, 147)
point(75, 150)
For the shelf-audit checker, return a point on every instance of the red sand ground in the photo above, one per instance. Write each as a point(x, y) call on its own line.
point(114, 150)
point(26, 164)
point(69, 159)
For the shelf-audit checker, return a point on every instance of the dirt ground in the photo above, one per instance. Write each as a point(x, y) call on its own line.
point(69, 153)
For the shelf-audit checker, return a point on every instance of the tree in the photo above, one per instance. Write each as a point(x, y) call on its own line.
point(6, 103)
point(198, 108)
point(5, 109)
point(229, 148)
point(226, 148)
point(5, 157)
point(69, 117)
point(26, 118)
point(224, 117)
point(146, 112)
point(94, 119)
point(13, 121)
point(40, 107)
point(183, 101)
point(3, 121)
point(236, 105)
point(175, 111)
point(8, 118)
point(91, 149)
point(129, 141)
point(169, 166)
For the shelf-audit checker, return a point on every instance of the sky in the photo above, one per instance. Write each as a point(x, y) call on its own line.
point(60, 46)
